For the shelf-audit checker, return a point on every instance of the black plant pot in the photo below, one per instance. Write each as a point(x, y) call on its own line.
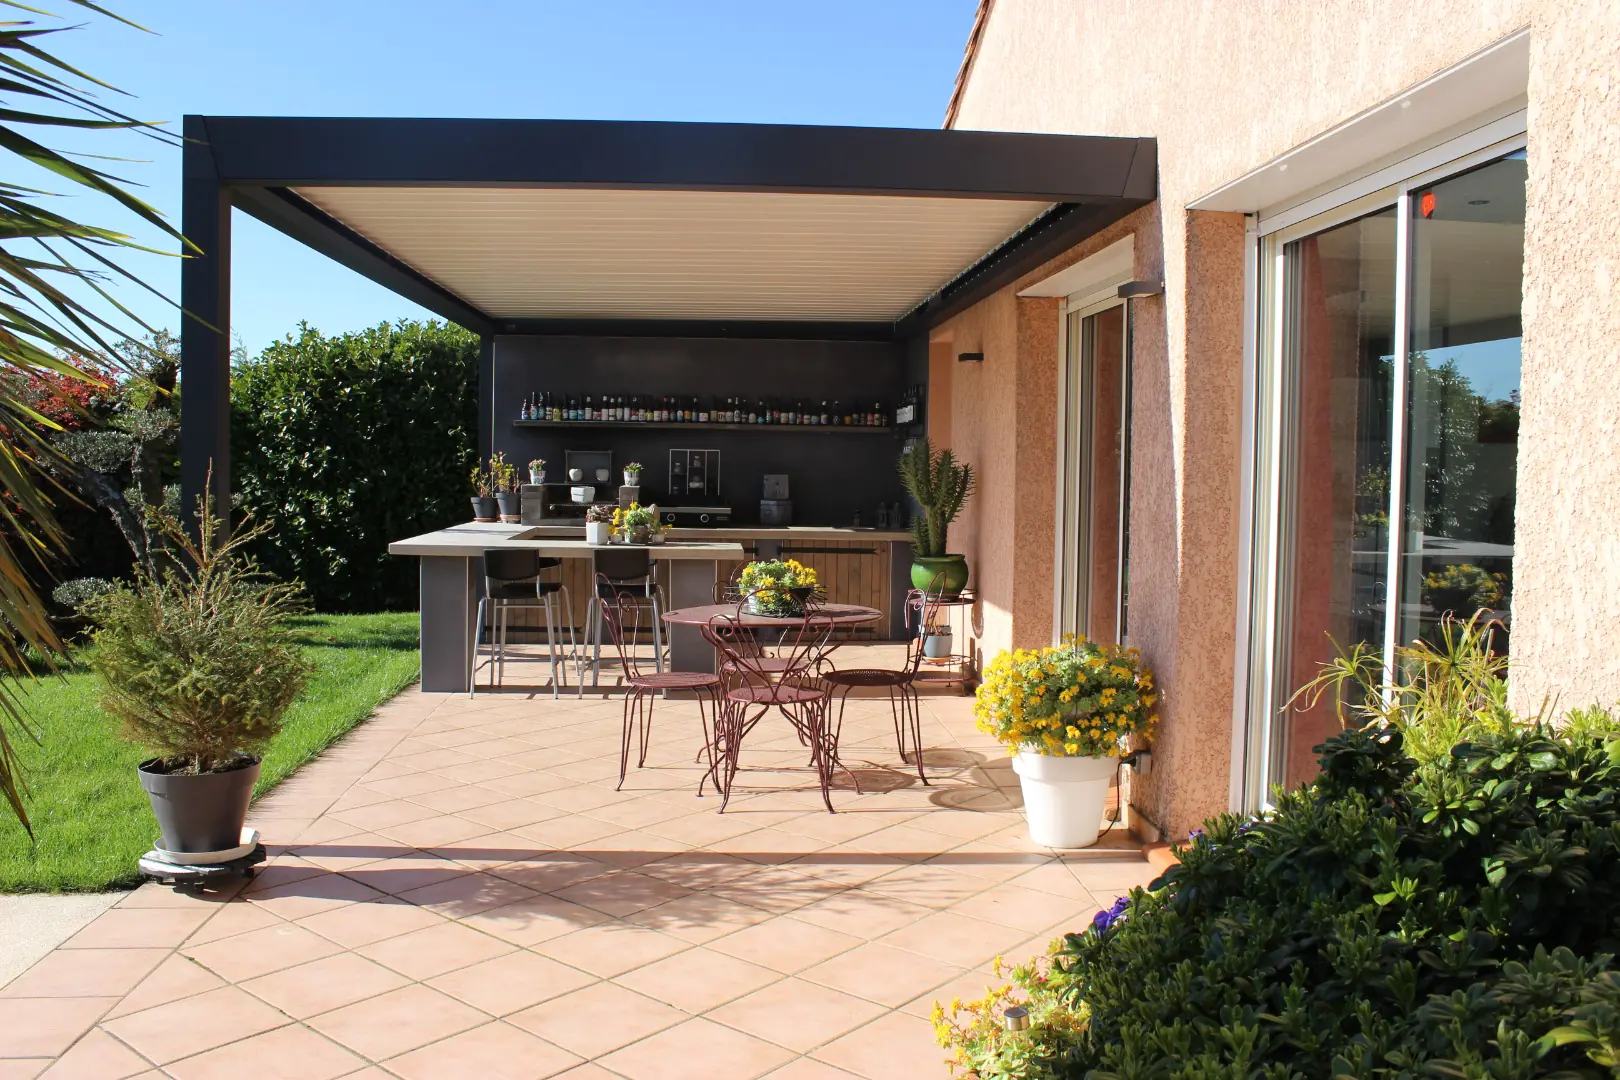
point(485, 509)
point(510, 502)
point(200, 813)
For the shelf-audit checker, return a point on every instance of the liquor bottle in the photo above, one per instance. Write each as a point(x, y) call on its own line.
point(849, 416)
point(822, 417)
point(523, 410)
point(880, 416)
point(556, 407)
point(703, 411)
point(624, 410)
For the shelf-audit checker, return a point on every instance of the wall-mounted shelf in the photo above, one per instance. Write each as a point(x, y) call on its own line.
point(665, 425)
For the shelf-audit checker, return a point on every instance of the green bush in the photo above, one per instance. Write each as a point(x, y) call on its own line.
point(351, 442)
point(197, 660)
point(1390, 920)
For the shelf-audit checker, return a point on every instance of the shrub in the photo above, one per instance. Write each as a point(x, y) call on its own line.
point(196, 660)
point(75, 594)
point(1390, 920)
point(351, 442)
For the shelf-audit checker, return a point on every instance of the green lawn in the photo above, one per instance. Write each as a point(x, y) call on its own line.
point(90, 816)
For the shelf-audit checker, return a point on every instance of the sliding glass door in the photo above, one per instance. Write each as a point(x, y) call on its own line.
point(1092, 545)
point(1387, 397)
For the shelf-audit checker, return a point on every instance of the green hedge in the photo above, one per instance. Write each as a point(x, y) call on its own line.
point(350, 442)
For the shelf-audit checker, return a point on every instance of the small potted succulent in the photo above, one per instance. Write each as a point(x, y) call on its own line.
point(635, 523)
point(632, 474)
point(537, 471)
point(503, 476)
point(483, 501)
point(198, 663)
point(1065, 713)
point(937, 641)
point(599, 524)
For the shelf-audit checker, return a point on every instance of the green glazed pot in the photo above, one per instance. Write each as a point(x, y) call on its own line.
point(924, 569)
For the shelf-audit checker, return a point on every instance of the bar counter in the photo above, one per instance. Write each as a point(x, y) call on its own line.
point(698, 560)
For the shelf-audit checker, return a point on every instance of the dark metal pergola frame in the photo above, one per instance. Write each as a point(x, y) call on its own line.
point(255, 163)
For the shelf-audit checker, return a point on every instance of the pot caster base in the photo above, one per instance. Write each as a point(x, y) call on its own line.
point(155, 867)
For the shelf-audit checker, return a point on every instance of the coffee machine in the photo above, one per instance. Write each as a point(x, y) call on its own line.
point(694, 489)
point(776, 508)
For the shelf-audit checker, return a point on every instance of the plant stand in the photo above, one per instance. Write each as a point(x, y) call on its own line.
point(957, 668)
point(155, 867)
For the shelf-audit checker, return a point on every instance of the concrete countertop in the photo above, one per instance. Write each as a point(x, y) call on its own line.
point(784, 533)
point(468, 540)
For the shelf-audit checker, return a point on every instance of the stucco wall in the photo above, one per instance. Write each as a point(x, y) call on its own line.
point(1224, 87)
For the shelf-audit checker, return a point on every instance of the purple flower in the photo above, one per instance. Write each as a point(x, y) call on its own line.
point(1103, 920)
point(1195, 834)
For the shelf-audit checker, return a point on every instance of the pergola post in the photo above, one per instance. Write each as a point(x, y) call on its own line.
point(205, 327)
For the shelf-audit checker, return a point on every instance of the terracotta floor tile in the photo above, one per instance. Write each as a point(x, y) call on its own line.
point(697, 1050)
point(293, 1052)
point(842, 866)
point(436, 950)
point(402, 874)
point(361, 849)
point(506, 812)
point(1008, 905)
point(155, 895)
point(1057, 878)
point(510, 983)
point(552, 871)
point(777, 889)
point(612, 948)
point(895, 1045)
point(629, 850)
point(530, 922)
point(173, 979)
point(85, 973)
point(394, 811)
point(931, 886)
point(413, 783)
point(700, 869)
point(883, 974)
point(786, 945)
point(973, 986)
point(312, 895)
point(139, 928)
point(698, 979)
point(797, 1014)
point(467, 894)
point(458, 800)
point(431, 832)
point(808, 1069)
point(323, 985)
point(45, 1027)
point(868, 915)
point(588, 1071)
point(495, 1051)
point(622, 893)
point(97, 1056)
point(956, 939)
point(281, 870)
point(597, 1019)
point(354, 925)
point(29, 1068)
point(397, 1022)
point(699, 917)
point(568, 832)
point(237, 917)
point(260, 952)
point(190, 1026)
point(487, 851)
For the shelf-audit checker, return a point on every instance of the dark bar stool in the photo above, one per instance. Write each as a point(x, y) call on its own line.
point(624, 575)
point(513, 579)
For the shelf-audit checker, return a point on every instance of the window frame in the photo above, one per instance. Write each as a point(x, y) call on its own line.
point(1258, 737)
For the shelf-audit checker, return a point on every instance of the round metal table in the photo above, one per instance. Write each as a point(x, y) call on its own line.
point(838, 614)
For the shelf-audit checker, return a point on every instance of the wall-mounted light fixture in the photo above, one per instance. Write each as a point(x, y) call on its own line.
point(970, 358)
point(1136, 290)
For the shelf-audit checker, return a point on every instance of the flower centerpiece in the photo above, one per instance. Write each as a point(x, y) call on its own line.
point(635, 523)
point(537, 471)
point(783, 588)
point(1065, 713)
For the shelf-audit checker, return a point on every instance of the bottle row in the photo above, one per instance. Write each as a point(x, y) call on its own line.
point(641, 408)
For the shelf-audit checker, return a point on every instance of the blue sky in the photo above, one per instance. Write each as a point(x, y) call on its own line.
point(881, 62)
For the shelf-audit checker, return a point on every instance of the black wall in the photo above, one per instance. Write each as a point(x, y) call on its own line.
point(832, 474)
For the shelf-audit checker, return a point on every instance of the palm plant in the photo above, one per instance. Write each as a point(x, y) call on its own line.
point(941, 487)
point(45, 259)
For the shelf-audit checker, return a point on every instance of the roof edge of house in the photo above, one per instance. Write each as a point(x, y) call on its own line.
point(981, 16)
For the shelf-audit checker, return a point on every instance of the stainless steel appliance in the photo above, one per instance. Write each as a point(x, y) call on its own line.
point(776, 508)
point(694, 478)
point(695, 516)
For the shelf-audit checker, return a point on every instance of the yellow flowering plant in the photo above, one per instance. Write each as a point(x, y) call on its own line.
point(978, 1038)
point(1077, 699)
point(778, 586)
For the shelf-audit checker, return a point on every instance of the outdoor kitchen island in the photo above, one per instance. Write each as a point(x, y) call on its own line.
point(856, 566)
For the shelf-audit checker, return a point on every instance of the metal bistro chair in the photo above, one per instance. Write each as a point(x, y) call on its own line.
point(624, 575)
point(512, 579)
point(753, 688)
point(901, 684)
point(623, 617)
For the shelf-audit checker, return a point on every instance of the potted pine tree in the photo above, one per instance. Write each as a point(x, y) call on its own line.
point(197, 662)
point(1065, 713)
point(941, 486)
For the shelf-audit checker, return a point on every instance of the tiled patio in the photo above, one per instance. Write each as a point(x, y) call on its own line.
point(458, 891)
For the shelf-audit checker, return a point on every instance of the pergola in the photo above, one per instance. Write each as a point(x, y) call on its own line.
point(629, 228)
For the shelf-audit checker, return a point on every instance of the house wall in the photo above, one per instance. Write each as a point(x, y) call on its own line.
point(1224, 88)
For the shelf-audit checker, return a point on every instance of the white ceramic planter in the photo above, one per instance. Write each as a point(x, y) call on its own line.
point(598, 532)
point(632, 479)
point(1064, 797)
